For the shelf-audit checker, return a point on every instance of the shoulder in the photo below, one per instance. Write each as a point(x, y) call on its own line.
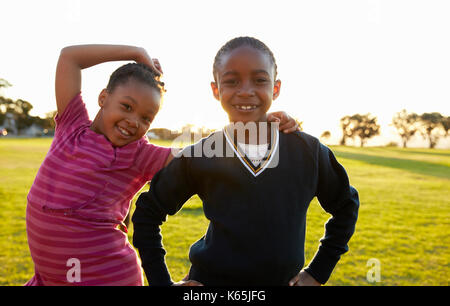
point(75, 106)
point(206, 143)
point(307, 144)
point(144, 143)
point(305, 138)
point(150, 155)
point(302, 141)
point(74, 115)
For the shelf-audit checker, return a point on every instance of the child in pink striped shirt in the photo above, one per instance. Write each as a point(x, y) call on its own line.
point(93, 169)
point(83, 189)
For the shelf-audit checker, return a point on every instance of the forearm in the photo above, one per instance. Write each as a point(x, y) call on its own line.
point(74, 59)
point(170, 188)
point(147, 238)
point(85, 56)
point(338, 231)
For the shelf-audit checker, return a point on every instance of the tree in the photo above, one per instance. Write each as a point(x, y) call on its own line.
point(346, 130)
point(431, 127)
point(4, 107)
point(21, 110)
point(4, 83)
point(362, 126)
point(406, 125)
point(18, 112)
point(47, 122)
point(23, 107)
point(325, 136)
point(366, 128)
point(446, 124)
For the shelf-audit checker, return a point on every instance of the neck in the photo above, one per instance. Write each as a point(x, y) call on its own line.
point(95, 124)
point(251, 132)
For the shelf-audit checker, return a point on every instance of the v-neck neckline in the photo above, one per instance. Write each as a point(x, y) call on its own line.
point(246, 162)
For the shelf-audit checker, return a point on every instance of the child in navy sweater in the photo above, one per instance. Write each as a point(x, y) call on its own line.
point(256, 185)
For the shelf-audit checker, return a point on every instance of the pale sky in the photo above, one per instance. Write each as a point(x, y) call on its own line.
point(335, 58)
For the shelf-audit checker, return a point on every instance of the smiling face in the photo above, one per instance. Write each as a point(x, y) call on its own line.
point(245, 84)
point(127, 112)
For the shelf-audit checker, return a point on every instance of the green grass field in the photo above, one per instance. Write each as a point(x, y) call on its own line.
point(403, 221)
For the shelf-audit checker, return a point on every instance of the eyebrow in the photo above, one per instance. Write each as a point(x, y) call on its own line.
point(260, 71)
point(233, 72)
point(130, 98)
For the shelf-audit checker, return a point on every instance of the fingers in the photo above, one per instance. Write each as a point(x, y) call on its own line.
point(272, 118)
point(275, 117)
point(189, 283)
point(291, 129)
point(186, 282)
point(289, 126)
point(286, 123)
point(157, 65)
point(144, 58)
point(194, 283)
point(294, 280)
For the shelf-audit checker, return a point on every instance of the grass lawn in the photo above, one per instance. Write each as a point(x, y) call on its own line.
point(403, 222)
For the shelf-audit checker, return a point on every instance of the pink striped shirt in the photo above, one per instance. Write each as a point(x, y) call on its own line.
point(81, 192)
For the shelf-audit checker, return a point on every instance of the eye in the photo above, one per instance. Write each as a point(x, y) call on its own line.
point(147, 120)
point(261, 80)
point(126, 106)
point(230, 82)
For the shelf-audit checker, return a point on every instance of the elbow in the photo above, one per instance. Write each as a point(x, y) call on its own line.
point(70, 53)
point(355, 202)
point(64, 56)
point(66, 52)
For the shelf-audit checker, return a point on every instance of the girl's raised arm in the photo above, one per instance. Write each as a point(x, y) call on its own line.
point(75, 58)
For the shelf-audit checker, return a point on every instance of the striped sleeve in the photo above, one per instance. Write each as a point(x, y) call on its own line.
point(73, 116)
point(151, 158)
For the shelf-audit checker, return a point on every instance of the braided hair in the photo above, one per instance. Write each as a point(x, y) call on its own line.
point(138, 72)
point(239, 42)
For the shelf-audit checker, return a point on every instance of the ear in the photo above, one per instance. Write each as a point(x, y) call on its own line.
point(102, 97)
point(215, 91)
point(276, 89)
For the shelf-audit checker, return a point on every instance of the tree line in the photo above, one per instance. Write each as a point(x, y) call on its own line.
point(19, 111)
point(431, 126)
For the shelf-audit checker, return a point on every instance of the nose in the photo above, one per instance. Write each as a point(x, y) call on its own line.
point(132, 122)
point(246, 89)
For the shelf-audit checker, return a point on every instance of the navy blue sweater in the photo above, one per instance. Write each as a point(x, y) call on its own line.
point(257, 216)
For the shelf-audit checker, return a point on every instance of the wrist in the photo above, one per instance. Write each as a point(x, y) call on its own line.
point(308, 279)
point(138, 53)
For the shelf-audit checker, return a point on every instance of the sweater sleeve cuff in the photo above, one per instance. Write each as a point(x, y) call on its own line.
point(322, 265)
point(156, 272)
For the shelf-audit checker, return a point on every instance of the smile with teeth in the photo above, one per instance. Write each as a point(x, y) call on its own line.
point(124, 132)
point(245, 107)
